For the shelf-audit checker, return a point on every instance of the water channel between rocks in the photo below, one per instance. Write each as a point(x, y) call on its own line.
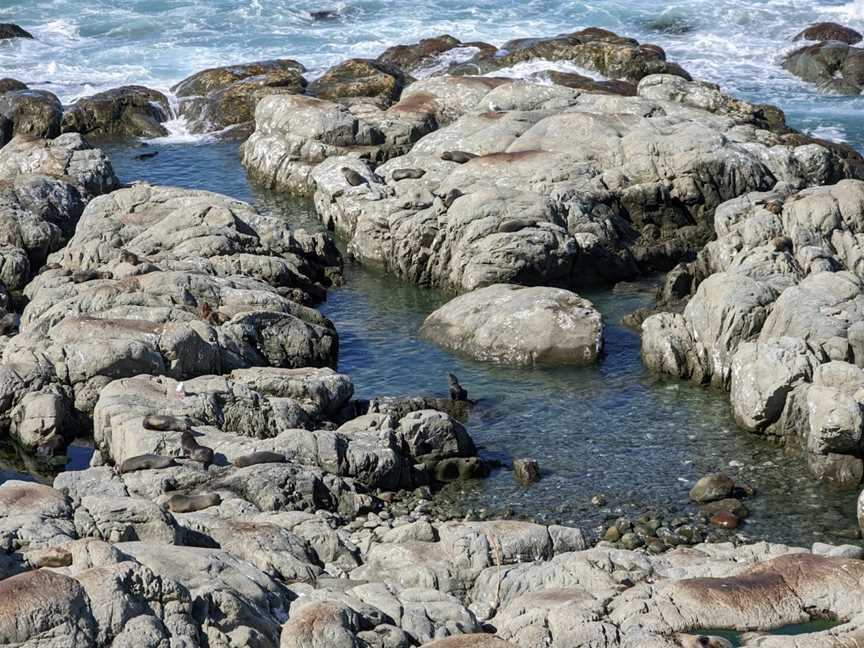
point(615, 429)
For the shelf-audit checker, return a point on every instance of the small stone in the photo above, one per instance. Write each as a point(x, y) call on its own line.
point(598, 500)
point(715, 486)
point(612, 535)
point(725, 520)
point(631, 541)
point(656, 546)
point(526, 471)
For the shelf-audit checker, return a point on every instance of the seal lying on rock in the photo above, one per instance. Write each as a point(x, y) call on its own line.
point(164, 423)
point(191, 503)
point(407, 174)
point(129, 257)
point(459, 157)
point(263, 457)
point(194, 450)
point(83, 276)
point(146, 462)
point(457, 391)
point(353, 178)
point(450, 197)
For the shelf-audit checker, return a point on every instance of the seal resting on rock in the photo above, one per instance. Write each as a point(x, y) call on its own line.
point(194, 450)
point(407, 174)
point(129, 257)
point(457, 391)
point(191, 503)
point(782, 244)
point(353, 178)
point(83, 276)
point(459, 157)
point(263, 457)
point(164, 423)
point(450, 197)
point(212, 316)
point(146, 462)
point(773, 206)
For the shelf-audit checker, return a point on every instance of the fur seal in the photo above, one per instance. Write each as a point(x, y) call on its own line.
point(146, 462)
point(194, 450)
point(407, 174)
point(146, 156)
point(450, 197)
point(83, 276)
point(191, 503)
point(263, 457)
point(9, 323)
point(212, 316)
point(457, 391)
point(129, 257)
point(782, 244)
point(459, 157)
point(516, 224)
point(353, 178)
point(773, 206)
point(164, 423)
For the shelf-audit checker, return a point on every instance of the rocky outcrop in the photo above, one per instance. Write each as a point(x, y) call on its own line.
point(163, 281)
point(130, 111)
point(225, 97)
point(426, 57)
point(598, 50)
point(531, 204)
point(45, 187)
point(518, 325)
point(833, 66)
point(775, 319)
point(829, 31)
point(11, 30)
point(370, 81)
point(37, 113)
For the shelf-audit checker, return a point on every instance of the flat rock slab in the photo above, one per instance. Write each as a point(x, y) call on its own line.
point(519, 325)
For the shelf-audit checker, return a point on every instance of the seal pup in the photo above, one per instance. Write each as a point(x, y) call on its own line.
point(146, 462)
point(774, 206)
point(353, 178)
point(407, 174)
point(450, 197)
point(127, 256)
point(459, 157)
point(194, 450)
point(262, 457)
point(782, 244)
point(457, 391)
point(191, 503)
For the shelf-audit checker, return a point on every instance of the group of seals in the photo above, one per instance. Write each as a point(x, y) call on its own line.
point(459, 157)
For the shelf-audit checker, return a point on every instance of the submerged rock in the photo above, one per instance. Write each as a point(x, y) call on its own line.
point(833, 66)
point(519, 325)
point(829, 31)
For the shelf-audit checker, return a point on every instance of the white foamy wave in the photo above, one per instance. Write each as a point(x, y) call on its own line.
point(830, 133)
point(533, 70)
point(850, 11)
point(445, 60)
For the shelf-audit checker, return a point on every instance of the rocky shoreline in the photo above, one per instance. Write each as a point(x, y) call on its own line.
point(238, 493)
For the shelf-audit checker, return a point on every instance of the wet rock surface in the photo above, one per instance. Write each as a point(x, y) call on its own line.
point(130, 111)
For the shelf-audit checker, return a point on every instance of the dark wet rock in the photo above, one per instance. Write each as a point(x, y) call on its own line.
point(587, 84)
point(598, 50)
point(526, 471)
point(218, 98)
point(459, 469)
point(424, 55)
point(518, 325)
point(830, 31)
point(361, 78)
point(709, 488)
point(11, 30)
point(37, 113)
point(725, 520)
point(834, 67)
point(8, 85)
point(672, 22)
point(728, 505)
point(130, 111)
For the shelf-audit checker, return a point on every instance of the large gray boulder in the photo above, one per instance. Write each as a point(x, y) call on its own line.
point(519, 325)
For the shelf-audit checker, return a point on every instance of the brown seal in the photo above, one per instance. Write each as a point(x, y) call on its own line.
point(146, 462)
point(165, 422)
point(407, 174)
point(457, 392)
point(263, 457)
point(450, 197)
point(191, 503)
point(194, 450)
point(129, 257)
point(353, 178)
point(459, 157)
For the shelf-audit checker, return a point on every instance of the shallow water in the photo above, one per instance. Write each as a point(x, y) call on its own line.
point(796, 629)
point(614, 429)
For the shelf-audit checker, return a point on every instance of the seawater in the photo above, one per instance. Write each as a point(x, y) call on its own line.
point(614, 429)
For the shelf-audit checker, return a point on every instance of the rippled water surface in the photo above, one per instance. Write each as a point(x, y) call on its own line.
point(614, 429)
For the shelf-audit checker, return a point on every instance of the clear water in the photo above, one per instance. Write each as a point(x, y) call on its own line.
point(735, 638)
point(614, 429)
